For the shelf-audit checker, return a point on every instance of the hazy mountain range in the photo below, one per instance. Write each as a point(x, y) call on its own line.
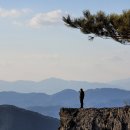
point(53, 85)
point(107, 96)
point(51, 104)
point(14, 118)
point(124, 83)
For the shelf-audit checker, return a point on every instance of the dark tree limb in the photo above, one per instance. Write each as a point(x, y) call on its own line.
point(114, 26)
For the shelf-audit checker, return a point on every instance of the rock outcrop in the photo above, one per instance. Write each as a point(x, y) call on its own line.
point(95, 119)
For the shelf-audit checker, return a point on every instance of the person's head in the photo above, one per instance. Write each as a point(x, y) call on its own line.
point(81, 89)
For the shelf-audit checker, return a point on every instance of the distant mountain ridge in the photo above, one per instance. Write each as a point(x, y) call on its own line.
point(67, 97)
point(32, 95)
point(124, 83)
point(52, 85)
point(50, 104)
point(52, 111)
point(14, 118)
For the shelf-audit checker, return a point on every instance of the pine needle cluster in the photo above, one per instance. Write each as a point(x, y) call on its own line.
point(114, 26)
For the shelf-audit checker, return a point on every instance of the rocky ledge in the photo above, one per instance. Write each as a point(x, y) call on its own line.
point(95, 119)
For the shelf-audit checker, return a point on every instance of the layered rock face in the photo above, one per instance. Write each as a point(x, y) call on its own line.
point(95, 119)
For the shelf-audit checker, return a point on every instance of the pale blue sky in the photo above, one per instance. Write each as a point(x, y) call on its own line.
point(35, 44)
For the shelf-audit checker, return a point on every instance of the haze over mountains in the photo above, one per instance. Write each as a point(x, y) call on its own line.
point(50, 104)
point(53, 85)
point(124, 83)
point(107, 96)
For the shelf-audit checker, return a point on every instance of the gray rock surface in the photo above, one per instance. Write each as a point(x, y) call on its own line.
point(95, 119)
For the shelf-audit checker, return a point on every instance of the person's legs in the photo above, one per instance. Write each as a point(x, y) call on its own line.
point(81, 103)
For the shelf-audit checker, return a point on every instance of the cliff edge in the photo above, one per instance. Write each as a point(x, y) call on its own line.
point(95, 119)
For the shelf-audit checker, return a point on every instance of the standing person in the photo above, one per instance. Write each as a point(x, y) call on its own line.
point(81, 97)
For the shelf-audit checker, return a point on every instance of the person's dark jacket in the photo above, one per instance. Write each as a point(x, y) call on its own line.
point(81, 94)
